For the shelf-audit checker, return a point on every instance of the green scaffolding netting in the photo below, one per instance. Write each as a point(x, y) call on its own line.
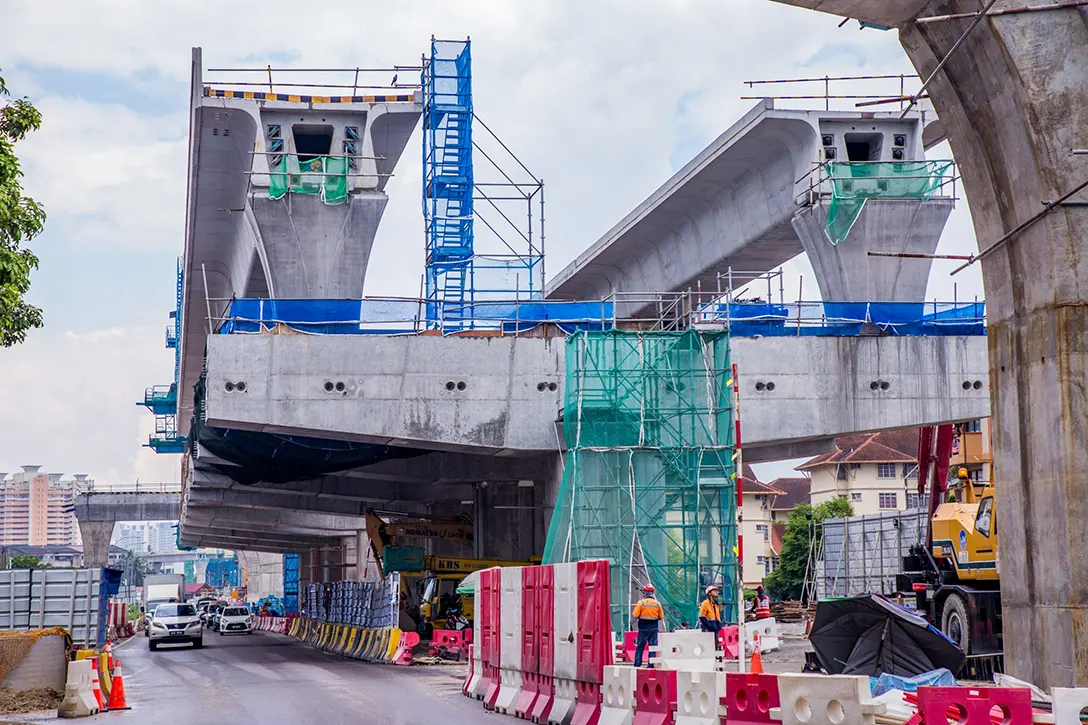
point(853, 182)
point(324, 175)
point(650, 478)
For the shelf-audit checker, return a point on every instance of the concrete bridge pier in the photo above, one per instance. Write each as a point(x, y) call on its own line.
point(96, 541)
point(1012, 101)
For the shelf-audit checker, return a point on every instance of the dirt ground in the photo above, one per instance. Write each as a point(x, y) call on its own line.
point(12, 701)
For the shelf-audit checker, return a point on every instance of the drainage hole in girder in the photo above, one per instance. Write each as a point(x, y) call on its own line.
point(340, 386)
point(760, 386)
point(553, 387)
point(966, 384)
point(461, 385)
point(450, 385)
point(770, 387)
point(884, 385)
point(541, 387)
point(875, 385)
point(978, 385)
point(229, 387)
point(328, 386)
point(240, 386)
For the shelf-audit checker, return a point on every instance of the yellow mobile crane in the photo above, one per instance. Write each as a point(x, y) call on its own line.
point(436, 576)
point(955, 574)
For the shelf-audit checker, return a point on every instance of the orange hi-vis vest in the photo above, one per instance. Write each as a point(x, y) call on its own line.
point(710, 610)
point(648, 608)
point(763, 607)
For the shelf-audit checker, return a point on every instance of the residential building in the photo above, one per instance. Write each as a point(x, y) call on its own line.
point(875, 471)
point(36, 508)
point(795, 490)
point(972, 449)
point(154, 537)
point(759, 557)
point(879, 471)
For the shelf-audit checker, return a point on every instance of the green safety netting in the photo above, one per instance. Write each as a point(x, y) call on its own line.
point(853, 182)
point(650, 479)
point(324, 175)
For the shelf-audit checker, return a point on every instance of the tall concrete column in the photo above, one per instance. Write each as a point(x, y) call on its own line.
point(846, 272)
point(1013, 101)
point(96, 537)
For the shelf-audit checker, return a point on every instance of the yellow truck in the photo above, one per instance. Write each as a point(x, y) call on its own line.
point(955, 574)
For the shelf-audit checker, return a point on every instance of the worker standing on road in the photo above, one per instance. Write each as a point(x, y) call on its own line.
point(649, 614)
point(762, 605)
point(710, 613)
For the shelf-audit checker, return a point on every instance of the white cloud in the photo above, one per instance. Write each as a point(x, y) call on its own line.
point(70, 404)
point(108, 175)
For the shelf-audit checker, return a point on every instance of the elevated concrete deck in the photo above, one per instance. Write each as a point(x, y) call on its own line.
point(397, 388)
point(239, 242)
point(747, 202)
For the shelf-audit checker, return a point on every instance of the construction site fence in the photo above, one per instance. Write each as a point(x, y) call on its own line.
point(76, 599)
point(862, 554)
point(393, 316)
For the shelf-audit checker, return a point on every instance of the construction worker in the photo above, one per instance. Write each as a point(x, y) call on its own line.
point(710, 612)
point(762, 606)
point(648, 613)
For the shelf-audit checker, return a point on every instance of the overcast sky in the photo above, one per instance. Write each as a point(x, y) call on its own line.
point(604, 100)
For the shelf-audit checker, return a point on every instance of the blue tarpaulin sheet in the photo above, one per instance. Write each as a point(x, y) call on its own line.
point(845, 319)
point(390, 317)
point(886, 683)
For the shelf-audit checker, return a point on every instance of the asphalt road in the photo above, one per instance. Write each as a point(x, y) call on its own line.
point(270, 679)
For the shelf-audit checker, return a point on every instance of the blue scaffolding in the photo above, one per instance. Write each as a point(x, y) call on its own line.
point(162, 400)
point(468, 264)
point(447, 178)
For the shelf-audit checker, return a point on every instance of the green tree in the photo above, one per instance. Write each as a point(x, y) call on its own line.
point(28, 561)
point(788, 579)
point(21, 219)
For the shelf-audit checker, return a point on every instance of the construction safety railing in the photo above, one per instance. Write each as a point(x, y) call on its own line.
point(137, 487)
point(845, 92)
point(335, 80)
point(656, 312)
point(878, 180)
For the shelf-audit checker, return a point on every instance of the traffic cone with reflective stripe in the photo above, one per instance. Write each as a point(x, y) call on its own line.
point(757, 658)
point(96, 686)
point(117, 689)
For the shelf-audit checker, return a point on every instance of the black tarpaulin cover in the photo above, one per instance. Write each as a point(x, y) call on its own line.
point(868, 635)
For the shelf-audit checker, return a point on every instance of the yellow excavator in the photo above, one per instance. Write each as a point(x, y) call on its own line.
point(428, 581)
point(955, 574)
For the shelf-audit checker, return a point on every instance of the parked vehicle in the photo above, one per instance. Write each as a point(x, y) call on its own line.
point(175, 623)
point(235, 620)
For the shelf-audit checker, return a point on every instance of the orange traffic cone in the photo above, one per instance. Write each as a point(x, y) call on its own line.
point(96, 686)
point(757, 658)
point(117, 689)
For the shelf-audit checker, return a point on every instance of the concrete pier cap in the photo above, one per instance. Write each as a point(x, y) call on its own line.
point(1011, 100)
point(240, 241)
point(758, 196)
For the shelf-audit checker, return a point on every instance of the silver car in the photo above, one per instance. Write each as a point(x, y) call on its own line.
point(175, 623)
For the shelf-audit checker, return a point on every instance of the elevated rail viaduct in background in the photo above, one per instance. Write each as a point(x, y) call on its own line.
point(1011, 90)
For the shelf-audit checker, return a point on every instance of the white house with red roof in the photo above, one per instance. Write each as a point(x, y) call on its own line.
point(875, 471)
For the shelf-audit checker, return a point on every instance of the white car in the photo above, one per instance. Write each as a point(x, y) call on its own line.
point(175, 623)
point(235, 620)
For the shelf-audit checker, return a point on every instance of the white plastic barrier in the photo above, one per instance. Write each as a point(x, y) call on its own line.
point(566, 694)
point(1067, 703)
point(510, 639)
point(79, 699)
point(618, 701)
point(698, 698)
point(686, 650)
point(826, 700)
point(767, 629)
point(566, 621)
